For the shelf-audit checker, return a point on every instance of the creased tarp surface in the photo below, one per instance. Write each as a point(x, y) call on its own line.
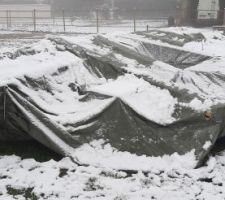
point(117, 122)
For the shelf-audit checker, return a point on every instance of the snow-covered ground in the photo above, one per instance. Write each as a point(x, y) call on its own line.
point(168, 177)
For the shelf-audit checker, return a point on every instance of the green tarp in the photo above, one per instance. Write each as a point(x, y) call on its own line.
point(21, 118)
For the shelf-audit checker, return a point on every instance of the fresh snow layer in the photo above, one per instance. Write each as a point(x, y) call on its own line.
point(149, 101)
point(159, 103)
point(193, 79)
point(100, 154)
point(42, 58)
point(168, 178)
point(45, 60)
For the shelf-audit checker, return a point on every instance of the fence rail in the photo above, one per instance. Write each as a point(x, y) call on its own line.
point(89, 21)
point(82, 21)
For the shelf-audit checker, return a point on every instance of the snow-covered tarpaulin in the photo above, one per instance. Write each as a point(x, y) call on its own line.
point(153, 94)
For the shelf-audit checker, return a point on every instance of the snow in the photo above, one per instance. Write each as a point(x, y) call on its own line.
point(207, 145)
point(45, 60)
point(157, 104)
point(142, 97)
point(168, 178)
point(100, 154)
point(211, 92)
point(196, 104)
point(48, 59)
point(106, 176)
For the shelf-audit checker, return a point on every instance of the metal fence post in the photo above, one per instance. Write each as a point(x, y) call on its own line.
point(10, 18)
point(7, 19)
point(134, 24)
point(34, 19)
point(224, 17)
point(97, 20)
point(134, 21)
point(64, 21)
point(53, 18)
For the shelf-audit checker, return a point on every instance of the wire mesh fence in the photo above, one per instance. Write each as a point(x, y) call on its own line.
point(82, 21)
point(103, 21)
